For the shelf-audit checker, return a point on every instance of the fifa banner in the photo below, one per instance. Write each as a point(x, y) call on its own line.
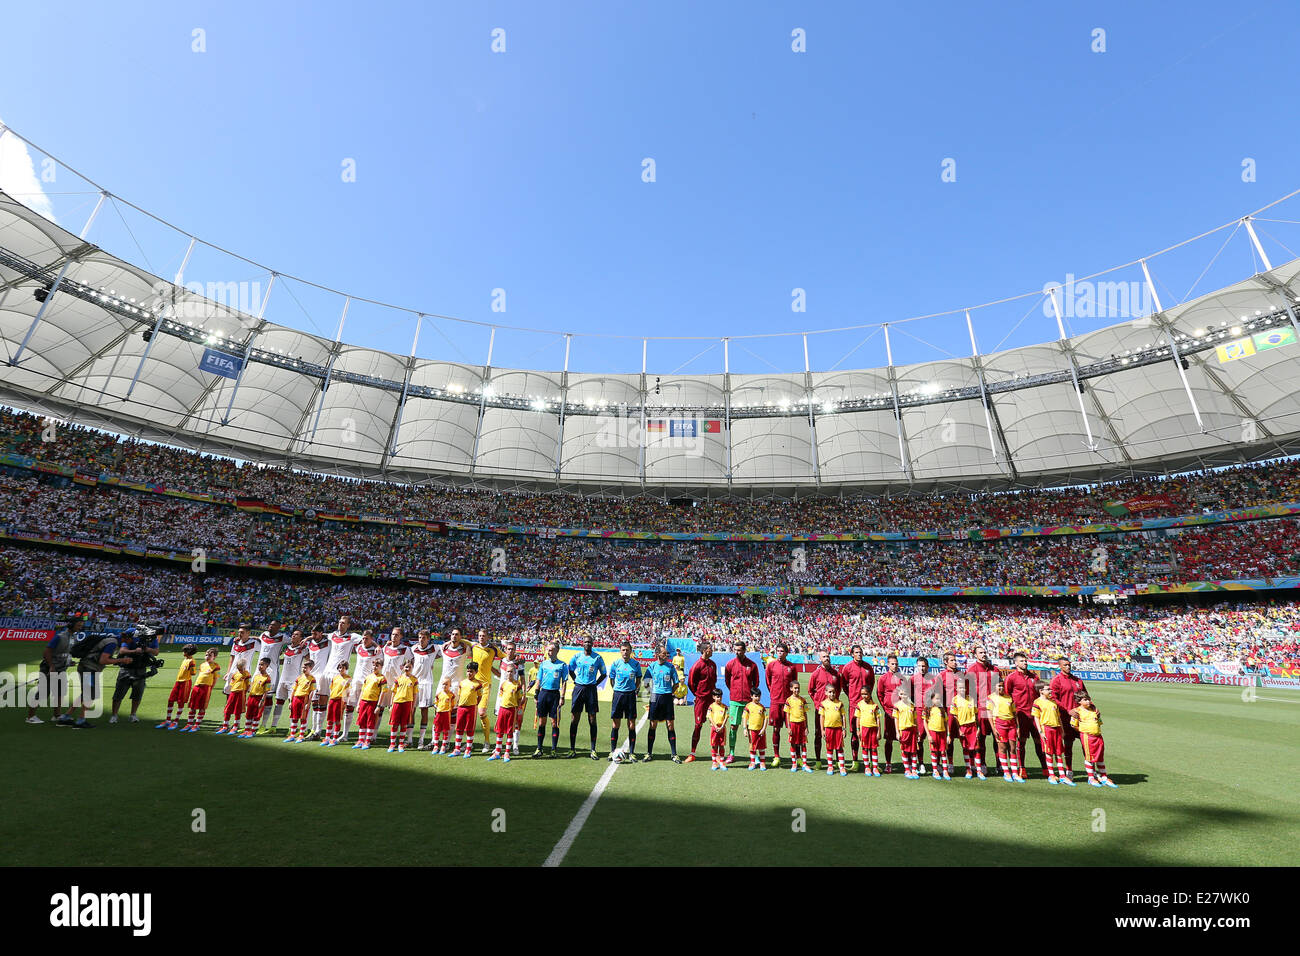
point(221, 363)
point(27, 628)
point(1147, 677)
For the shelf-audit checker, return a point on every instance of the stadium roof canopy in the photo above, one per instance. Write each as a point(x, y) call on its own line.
point(92, 338)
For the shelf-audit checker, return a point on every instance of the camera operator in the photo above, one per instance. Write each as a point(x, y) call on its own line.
point(138, 660)
point(94, 650)
point(52, 679)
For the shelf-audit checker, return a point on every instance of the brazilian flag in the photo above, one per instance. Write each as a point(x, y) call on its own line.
point(1274, 338)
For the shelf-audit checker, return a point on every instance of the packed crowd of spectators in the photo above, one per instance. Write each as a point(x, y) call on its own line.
point(95, 452)
point(56, 507)
point(42, 583)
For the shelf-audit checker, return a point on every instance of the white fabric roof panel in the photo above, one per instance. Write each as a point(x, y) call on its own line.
point(434, 431)
point(770, 450)
point(856, 446)
point(515, 442)
point(949, 439)
point(602, 448)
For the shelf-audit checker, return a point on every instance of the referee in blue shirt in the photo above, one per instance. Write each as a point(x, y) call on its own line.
point(588, 673)
point(552, 674)
point(624, 677)
point(663, 678)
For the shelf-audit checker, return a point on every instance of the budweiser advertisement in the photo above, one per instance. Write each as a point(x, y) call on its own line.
point(1161, 678)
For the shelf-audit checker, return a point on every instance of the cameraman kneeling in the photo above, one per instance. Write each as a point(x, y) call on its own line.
point(93, 651)
point(138, 661)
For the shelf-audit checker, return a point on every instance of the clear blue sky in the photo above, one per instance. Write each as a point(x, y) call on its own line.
point(775, 170)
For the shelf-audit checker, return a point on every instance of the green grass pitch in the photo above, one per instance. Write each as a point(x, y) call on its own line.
point(1205, 779)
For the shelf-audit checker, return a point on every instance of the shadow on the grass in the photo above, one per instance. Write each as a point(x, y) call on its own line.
point(765, 836)
point(272, 803)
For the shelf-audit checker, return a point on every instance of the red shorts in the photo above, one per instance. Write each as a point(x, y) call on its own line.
point(870, 737)
point(298, 708)
point(505, 721)
point(234, 704)
point(834, 738)
point(1052, 743)
point(199, 697)
point(702, 709)
point(986, 726)
point(442, 722)
point(938, 740)
point(776, 717)
point(757, 740)
point(368, 714)
point(255, 707)
point(718, 738)
point(400, 716)
point(799, 734)
point(334, 710)
point(180, 692)
point(907, 740)
point(1094, 748)
point(1005, 731)
point(465, 719)
point(969, 735)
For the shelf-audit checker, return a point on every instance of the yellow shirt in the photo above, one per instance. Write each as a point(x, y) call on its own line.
point(260, 685)
point(510, 695)
point(208, 674)
point(484, 657)
point(832, 711)
point(238, 682)
point(304, 686)
point(1088, 721)
point(936, 720)
point(371, 687)
point(718, 716)
point(186, 672)
point(1000, 706)
point(442, 703)
point(965, 710)
point(868, 713)
point(469, 693)
point(1048, 714)
point(339, 687)
point(796, 708)
point(755, 716)
point(905, 717)
point(407, 685)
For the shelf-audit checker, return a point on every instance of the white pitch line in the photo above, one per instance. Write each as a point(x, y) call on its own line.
point(580, 818)
point(1278, 700)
